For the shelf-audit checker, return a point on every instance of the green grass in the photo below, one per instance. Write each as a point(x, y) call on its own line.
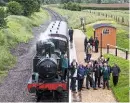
point(19, 29)
point(74, 17)
point(122, 33)
point(121, 91)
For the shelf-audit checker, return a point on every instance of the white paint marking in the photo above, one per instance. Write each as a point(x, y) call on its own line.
point(72, 55)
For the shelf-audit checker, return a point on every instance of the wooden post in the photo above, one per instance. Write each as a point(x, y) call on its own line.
point(107, 48)
point(116, 51)
point(101, 46)
point(84, 25)
point(126, 54)
point(81, 19)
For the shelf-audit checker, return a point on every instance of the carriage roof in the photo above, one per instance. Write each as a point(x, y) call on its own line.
point(58, 29)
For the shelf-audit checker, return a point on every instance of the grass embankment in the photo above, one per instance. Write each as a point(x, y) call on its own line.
point(121, 91)
point(19, 29)
point(122, 33)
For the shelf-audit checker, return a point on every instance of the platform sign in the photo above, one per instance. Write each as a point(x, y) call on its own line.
point(105, 31)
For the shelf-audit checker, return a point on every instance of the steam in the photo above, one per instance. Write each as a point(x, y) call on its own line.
point(44, 36)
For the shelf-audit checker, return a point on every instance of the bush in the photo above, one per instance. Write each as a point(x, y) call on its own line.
point(105, 8)
point(14, 8)
point(2, 16)
point(29, 6)
point(72, 6)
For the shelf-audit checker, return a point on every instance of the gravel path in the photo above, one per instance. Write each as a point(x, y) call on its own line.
point(91, 95)
point(14, 86)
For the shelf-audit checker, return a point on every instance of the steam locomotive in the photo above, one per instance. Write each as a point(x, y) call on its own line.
point(45, 81)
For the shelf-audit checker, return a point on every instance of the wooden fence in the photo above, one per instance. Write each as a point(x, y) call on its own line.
point(117, 50)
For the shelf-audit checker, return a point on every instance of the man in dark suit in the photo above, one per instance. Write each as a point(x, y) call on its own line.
point(115, 73)
point(85, 43)
point(98, 74)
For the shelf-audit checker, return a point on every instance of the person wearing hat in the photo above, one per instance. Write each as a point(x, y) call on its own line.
point(106, 75)
point(115, 73)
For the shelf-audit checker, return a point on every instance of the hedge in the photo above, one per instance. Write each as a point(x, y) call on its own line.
point(106, 8)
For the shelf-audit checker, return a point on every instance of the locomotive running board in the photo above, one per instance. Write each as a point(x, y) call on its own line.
point(32, 86)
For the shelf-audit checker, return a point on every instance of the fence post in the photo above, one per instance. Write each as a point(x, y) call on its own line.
point(107, 48)
point(84, 25)
point(126, 54)
point(81, 21)
point(116, 51)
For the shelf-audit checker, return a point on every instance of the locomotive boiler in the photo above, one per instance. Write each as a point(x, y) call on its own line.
point(46, 78)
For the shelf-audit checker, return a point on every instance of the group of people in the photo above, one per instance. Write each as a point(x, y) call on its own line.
point(94, 73)
point(89, 46)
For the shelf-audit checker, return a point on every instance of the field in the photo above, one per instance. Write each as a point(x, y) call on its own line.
point(73, 18)
point(19, 29)
point(121, 91)
point(120, 16)
point(106, 5)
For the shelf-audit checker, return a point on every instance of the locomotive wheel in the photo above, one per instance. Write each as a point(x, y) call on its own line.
point(38, 96)
point(64, 97)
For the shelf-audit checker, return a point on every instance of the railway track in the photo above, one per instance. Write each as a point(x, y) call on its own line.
point(55, 16)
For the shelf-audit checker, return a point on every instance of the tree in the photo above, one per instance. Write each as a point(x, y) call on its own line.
point(99, 1)
point(14, 8)
point(2, 16)
point(29, 6)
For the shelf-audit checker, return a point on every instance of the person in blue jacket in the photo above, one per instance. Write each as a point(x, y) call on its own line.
point(81, 74)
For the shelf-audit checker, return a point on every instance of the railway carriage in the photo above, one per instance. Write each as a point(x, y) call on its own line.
point(46, 78)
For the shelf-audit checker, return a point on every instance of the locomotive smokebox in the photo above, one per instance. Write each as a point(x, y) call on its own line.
point(47, 68)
